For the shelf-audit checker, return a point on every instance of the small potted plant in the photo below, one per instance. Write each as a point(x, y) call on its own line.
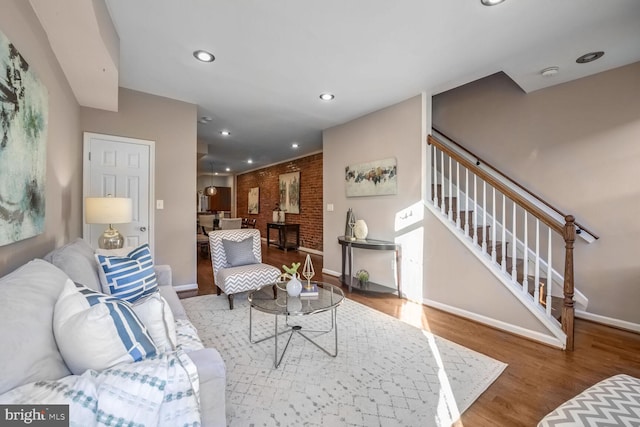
point(363, 277)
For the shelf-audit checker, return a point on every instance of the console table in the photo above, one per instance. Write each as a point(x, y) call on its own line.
point(284, 229)
point(372, 244)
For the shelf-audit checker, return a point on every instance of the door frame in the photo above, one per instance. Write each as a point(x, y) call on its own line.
point(86, 176)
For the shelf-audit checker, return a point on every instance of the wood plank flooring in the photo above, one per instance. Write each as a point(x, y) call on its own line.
point(538, 377)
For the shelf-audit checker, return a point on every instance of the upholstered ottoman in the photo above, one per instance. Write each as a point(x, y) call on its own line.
point(614, 401)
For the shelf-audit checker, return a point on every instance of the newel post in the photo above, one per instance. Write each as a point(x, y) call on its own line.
point(567, 308)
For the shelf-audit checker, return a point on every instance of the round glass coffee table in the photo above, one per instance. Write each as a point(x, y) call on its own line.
point(328, 299)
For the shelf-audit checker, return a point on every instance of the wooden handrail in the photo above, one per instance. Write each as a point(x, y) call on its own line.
point(567, 230)
point(481, 160)
point(526, 204)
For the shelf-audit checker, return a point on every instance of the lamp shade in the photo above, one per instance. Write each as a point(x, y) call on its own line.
point(108, 210)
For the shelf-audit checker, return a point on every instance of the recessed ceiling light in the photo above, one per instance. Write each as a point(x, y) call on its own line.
point(550, 71)
point(204, 56)
point(294, 145)
point(249, 161)
point(589, 57)
point(206, 118)
point(491, 2)
point(327, 96)
point(203, 121)
point(225, 133)
point(228, 169)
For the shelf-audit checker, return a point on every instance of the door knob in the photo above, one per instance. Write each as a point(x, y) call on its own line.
point(143, 229)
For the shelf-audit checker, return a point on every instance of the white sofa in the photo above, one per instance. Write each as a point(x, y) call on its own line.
point(31, 354)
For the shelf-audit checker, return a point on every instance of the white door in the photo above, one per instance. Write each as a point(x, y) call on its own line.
point(121, 167)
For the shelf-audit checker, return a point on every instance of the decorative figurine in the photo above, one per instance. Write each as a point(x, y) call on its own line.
point(308, 272)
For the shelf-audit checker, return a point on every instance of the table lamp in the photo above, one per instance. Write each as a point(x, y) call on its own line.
point(108, 210)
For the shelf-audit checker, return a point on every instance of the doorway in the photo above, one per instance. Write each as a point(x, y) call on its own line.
point(121, 167)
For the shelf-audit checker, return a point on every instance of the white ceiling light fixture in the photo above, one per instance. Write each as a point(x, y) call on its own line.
point(227, 169)
point(295, 145)
point(550, 71)
point(225, 133)
point(250, 161)
point(590, 57)
point(204, 56)
point(327, 96)
point(491, 2)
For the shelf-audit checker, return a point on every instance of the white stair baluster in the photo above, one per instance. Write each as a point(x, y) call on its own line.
point(442, 180)
point(450, 213)
point(536, 290)
point(485, 232)
point(514, 269)
point(493, 231)
point(525, 274)
point(467, 212)
point(435, 176)
point(503, 261)
point(458, 194)
point(475, 209)
point(549, 274)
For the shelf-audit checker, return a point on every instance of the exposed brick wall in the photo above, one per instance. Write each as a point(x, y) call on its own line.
point(311, 206)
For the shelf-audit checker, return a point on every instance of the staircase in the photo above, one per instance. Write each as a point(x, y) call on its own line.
point(518, 240)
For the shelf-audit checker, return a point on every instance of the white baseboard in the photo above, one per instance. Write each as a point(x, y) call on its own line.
point(330, 272)
point(187, 287)
point(498, 324)
point(609, 321)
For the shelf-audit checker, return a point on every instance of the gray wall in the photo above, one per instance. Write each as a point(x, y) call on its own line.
point(437, 269)
point(395, 131)
point(172, 125)
point(576, 145)
point(63, 221)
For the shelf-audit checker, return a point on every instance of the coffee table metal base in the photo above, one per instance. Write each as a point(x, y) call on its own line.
point(295, 329)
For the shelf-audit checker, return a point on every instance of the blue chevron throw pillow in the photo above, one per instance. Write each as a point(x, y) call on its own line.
point(129, 277)
point(97, 331)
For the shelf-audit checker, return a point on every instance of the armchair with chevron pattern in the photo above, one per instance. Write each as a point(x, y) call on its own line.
point(236, 257)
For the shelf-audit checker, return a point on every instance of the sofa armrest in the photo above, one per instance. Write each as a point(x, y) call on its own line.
point(163, 275)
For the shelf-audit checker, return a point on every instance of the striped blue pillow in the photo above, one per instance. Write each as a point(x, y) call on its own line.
point(97, 331)
point(128, 277)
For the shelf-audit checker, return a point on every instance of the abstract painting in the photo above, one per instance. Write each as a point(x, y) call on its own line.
point(371, 179)
point(254, 200)
point(23, 134)
point(290, 192)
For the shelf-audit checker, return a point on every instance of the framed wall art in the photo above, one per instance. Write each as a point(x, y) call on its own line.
point(375, 178)
point(289, 184)
point(254, 200)
point(23, 134)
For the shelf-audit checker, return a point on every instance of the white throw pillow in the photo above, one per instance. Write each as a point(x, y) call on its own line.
point(156, 315)
point(96, 331)
point(129, 277)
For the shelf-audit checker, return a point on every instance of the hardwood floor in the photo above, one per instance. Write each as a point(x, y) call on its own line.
point(538, 377)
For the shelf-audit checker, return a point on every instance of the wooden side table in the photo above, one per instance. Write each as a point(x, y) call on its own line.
point(284, 230)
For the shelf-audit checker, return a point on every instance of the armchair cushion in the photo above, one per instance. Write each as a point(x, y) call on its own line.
point(239, 253)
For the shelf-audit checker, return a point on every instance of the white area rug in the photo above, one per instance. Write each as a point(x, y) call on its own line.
point(387, 373)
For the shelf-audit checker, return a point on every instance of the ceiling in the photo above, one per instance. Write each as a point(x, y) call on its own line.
point(274, 58)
